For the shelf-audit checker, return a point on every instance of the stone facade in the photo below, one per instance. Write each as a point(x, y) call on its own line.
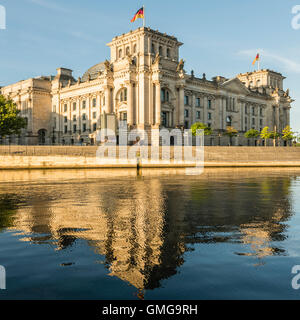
point(145, 83)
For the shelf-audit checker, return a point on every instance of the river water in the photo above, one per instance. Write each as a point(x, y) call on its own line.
point(113, 234)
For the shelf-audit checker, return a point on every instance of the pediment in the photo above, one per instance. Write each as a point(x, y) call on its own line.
point(235, 85)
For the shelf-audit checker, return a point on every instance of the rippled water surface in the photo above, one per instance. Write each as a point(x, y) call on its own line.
point(227, 234)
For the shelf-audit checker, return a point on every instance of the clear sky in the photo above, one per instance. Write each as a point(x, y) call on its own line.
point(221, 37)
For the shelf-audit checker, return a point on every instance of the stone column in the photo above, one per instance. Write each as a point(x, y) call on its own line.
point(107, 100)
point(157, 104)
point(129, 104)
point(181, 105)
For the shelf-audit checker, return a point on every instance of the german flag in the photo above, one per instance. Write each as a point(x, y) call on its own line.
point(139, 14)
point(256, 59)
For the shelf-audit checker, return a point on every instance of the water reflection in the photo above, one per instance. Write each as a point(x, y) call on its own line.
point(144, 226)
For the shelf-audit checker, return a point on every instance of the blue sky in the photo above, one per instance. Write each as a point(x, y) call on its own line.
point(220, 37)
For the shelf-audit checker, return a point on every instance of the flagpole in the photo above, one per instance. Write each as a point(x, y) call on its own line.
point(144, 22)
point(258, 62)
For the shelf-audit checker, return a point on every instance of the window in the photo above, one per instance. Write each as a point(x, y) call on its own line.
point(66, 129)
point(94, 126)
point(246, 120)
point(168, 53)
point(261, 122)
point(94, 102)
point(74, 106)
point(209, 104)
point(186, 113)
point(65, 119)
point(83, 104)
point(152, 48)
point(164, 119)
point(261, 112)
point(127, 51)
point(253, 111)
point(134, 48)
point(84, 127)
point(74, 118)
point(65, 108)
point(165, 96)
point(228, 121)
point(186, 124)
point(160, 50)
point(123, 116)
point(186, 100)
point(94, 115)
point(209, 116)
point(83, 116)
point(120, 53)
point(198, 102)
point(253, 121)
point(198, 114)
point(123, 95)
point(74, 128)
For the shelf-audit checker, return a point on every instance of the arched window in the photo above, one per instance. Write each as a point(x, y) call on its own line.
point(153, 48)
point(134, 48)
point(120, 53)
point(123, 95)
point(168, 53)
point(160, 50)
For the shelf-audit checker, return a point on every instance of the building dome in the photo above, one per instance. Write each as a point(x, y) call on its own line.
point(93, 72)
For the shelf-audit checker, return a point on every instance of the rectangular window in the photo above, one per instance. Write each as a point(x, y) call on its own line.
point(54, 123)
point(94, 115)
point(83, 104)
point(74, 117)
point(198, 102)
point(198, 114)
point(186, 113)
point(186, 124)
point(261, 122)
point(65, 119)
point(253, 121)
point(253, 111)
point(164, 119)
point(74, 106)
point(66, 129)
point(261, 112)
point(246, 120)
point(84, 127)
point(74, 128)
point(186, 100)
point(209, 104)
point(83, 116)
point(94, 126)
point(65, 108)
point(94, 102)
point(209, 116)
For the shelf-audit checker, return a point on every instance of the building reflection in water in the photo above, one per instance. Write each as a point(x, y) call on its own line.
point(144, 226)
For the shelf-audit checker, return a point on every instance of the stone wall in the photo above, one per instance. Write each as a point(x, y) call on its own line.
point(26, 157)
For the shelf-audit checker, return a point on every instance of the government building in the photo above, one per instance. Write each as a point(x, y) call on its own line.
point(144, 83)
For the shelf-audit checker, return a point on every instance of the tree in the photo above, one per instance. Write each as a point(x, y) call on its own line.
point(287, 134)
point(198, 126)
point(10, 121)
point(252, 133)
point(265, 134)
point(230, 132)
point(274, 135)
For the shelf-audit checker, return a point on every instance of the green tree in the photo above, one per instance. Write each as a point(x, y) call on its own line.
point(287, 134)
point(265, 134)
point(230, 132)
point(274, 135)
point(251, 134)
point(198, 126)
point(10, 120)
